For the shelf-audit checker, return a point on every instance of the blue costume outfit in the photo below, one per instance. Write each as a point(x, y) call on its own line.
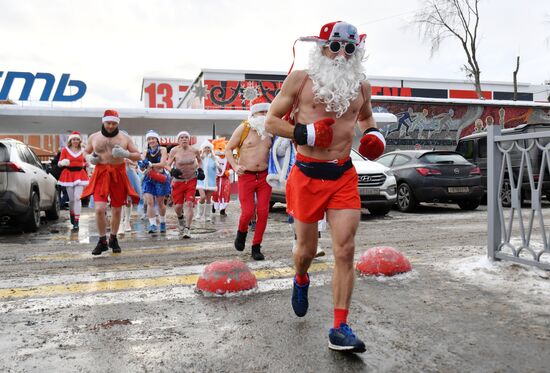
point(282, 156)
point(151, 186)
point(209, 168)
point(134, 179)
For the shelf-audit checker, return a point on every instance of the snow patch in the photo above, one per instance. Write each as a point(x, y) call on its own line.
point(501, 275)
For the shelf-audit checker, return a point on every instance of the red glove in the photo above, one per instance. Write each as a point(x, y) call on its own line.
point(372, 144)
point(318, 134)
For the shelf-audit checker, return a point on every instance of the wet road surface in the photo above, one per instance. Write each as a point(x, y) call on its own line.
point(64, 310)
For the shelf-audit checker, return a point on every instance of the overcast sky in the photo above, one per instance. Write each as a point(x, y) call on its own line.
point(111, 45)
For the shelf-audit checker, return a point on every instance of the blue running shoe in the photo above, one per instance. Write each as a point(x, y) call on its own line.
point(152, 228)
point(299, 298)
point(162, 227)
point(343, 339)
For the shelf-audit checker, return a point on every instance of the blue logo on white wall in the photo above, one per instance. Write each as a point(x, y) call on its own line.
point(30, 78)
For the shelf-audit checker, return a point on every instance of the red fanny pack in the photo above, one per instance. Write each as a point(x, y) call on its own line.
point(157, 176)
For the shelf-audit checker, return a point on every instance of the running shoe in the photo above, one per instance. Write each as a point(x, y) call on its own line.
point(299, 298)
point(343, 339)
point(152, 228)
point(113, 244)
point(240, 240)
point(162, 227)
point(100, 247)
point(256, 253)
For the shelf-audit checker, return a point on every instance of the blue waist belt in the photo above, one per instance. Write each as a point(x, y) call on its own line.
point(324, 170)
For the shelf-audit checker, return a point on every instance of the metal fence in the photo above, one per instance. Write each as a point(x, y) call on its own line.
point(517, 233)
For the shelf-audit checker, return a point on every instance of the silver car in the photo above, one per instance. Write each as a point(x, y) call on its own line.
point(26, 188)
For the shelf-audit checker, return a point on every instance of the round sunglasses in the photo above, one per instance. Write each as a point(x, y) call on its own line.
point(335, 46)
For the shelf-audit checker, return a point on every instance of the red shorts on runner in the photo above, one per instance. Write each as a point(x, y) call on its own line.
point(184, 191)
point(307, 198)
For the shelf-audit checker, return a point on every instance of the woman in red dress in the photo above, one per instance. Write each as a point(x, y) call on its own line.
point(73, 174)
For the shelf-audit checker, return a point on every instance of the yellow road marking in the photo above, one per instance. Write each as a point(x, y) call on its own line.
point(131, 284)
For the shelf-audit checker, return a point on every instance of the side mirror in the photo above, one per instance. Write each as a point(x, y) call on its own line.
point(47, 167)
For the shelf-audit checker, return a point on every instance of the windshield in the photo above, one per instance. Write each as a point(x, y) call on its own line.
point(356, 156)
point(444, 158)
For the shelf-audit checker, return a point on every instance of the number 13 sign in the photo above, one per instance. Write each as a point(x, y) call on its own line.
point(163, 93)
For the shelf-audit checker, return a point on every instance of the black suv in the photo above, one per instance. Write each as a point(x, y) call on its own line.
point(474, 148)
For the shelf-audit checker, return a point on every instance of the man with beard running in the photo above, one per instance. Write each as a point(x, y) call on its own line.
point(107, 150)
point(252, 143)
point(321, 107)
point(184, 161)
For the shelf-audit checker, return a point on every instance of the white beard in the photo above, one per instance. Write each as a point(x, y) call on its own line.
point(257, 124)
point(336, 82)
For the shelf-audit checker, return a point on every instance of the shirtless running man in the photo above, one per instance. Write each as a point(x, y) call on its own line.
point(107, 150)
point(253, 147)
point(184, 159)
point(326, 103)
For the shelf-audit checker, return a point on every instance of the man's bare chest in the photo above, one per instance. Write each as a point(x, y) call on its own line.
point(184, 157)
point(106, 144)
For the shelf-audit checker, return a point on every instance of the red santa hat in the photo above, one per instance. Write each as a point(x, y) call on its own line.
point(260, 103)
point(74, 135)
point(111, 115)
point(337, 31)
point(334, 31)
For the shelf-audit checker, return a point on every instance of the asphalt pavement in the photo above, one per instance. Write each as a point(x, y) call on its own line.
point(63, 309)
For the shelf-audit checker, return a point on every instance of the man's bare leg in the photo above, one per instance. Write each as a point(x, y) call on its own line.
point(100, 218)
point(343, 226)
point(188, 206)
point(306, 246)
point(115, 219)
point(181, 217)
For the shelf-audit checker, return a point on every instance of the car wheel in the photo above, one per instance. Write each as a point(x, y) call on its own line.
point(31, 220)
point(379, 211)
point(506, 193)
point(469, 205)
point(53, 212)
point(405, 198)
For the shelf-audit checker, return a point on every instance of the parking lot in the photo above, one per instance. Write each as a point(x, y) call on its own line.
point(64, 310)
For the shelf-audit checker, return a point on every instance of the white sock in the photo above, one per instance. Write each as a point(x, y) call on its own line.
point(153, 221)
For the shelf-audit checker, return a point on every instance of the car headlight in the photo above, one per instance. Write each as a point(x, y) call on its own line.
point(388, 172)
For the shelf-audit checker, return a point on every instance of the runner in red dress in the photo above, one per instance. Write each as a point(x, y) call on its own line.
point(107, 150)
point(73, 175)
point(222, 195)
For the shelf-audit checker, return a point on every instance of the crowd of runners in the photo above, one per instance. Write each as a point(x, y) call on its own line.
point(308, 128)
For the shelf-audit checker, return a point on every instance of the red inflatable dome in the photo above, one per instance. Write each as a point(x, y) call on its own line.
point(226, 277)
point(385, 261)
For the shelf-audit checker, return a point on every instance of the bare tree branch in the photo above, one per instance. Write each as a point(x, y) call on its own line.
point(516, 79)
point(459, 19)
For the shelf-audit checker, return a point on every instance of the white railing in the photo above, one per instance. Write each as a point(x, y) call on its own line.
point(517, 233)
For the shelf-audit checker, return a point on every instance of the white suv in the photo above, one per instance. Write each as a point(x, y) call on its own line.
point(26, 188)
point(376, 184)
